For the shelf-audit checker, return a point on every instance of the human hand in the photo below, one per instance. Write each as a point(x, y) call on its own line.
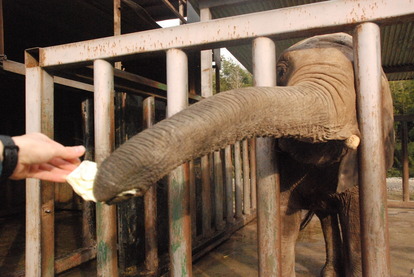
point(42, 158)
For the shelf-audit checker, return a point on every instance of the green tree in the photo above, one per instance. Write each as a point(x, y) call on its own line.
point(233, 76)
point(403, 97)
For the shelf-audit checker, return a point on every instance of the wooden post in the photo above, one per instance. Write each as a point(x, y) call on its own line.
point(178, 189)
point(268, 180)
point(106, 231)
point(40, 246)
point(372, 175)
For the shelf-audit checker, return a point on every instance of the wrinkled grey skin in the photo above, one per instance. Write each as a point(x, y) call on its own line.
point(313, 112)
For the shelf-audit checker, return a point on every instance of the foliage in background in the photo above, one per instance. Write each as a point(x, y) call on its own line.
point(233, 76)
point(403, 97)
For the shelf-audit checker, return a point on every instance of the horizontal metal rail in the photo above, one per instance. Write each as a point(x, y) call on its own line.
point(338, 15)
point(19, 68)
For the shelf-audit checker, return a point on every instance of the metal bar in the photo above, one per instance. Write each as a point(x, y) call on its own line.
point(238, 180)
point(228, 162)
point(117, 17)
point(252, 151)
point(88, 208)
point(150, 203)
point(19, 68)
point(400, 204)
point(206, 91)
point(406, 168)
point(246, 178)
point(193, 200)
point(175, 12)
point(326, 16)
point(39, 195)
point(268, 182)
point(218, 3)
point(178, 189)
point(78, 257)
point(218, 190)
point(206, 195)
point(1, 29)
point(404, 117)
point(139, 79)
point(106, 231)
point(372, 177)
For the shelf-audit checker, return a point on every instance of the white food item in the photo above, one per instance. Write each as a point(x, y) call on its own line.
point(82, 179)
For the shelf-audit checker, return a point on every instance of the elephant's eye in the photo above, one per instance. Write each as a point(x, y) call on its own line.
point(281, 70)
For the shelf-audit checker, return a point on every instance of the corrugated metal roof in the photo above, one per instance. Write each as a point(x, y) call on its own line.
point(397, 41)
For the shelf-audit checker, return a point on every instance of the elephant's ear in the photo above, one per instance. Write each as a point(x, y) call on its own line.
point(348, 171)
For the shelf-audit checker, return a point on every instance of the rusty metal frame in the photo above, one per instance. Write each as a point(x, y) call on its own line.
point(178, 185)
point(268, 180)
point(338, 15)
point(104, 143)
point(372, 177)
point(39, 194)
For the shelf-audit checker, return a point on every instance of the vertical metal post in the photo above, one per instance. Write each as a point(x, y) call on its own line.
point(228, 161)
point(252, 152)
point(106, 231)
point(206, 195)
point(372, 176)
point(246, 178)
point(218, 190)
point(406, 168)
point(40, 247)
point(1, 29)
point(206, 91)
point(238, 180)
point(178, 189)
point(88, 208)
point(150, 203)
point(268, 183)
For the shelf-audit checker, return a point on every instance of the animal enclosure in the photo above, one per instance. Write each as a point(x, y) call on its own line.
point(228, 196)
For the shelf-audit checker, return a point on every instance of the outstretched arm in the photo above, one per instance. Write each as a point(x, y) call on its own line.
point(43, 158)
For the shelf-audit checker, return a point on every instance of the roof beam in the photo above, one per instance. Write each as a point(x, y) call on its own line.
point(399, 68)
point(321, 17)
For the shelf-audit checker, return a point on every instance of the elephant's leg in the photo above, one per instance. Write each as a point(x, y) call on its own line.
point(350, 224)
point(333, 245)
point(290, 230)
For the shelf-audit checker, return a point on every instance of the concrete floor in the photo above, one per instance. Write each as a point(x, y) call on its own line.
point(237, 256)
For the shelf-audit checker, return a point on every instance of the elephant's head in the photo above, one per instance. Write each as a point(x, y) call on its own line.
point(314, 104)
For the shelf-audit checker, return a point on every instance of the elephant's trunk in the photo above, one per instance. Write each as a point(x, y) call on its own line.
point(306, 111)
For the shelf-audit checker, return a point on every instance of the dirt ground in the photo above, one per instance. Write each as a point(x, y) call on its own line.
point(237, 257)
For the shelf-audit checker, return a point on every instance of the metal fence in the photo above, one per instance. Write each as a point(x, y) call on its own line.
point(359, 17)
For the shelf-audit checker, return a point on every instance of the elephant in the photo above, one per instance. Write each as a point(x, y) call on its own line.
point(312, 115)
